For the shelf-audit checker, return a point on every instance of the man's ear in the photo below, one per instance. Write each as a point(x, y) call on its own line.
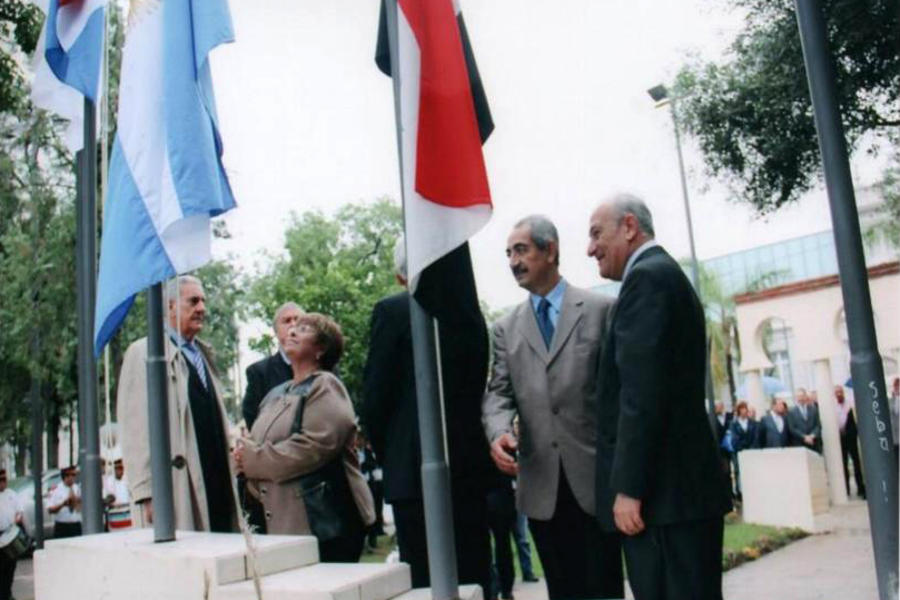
point(631, 227)
point(553, 251)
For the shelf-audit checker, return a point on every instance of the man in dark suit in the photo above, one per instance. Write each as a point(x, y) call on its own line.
point(262, 376)
point(265, 374)
point(723, 422)
point(390, 415)
point(849, 440)
point(773, 430)
point(804, 424)
point(546, 353)
point(658, 475)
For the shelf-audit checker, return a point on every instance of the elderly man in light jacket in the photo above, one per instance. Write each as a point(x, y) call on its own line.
point(202, 481)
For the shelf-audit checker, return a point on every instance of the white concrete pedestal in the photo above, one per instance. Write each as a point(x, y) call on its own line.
point(203, 566)
point(785, 487)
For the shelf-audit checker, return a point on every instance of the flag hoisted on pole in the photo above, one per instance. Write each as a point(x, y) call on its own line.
point(166, 178)
point(67, 81)
point(442, 119)
point(68, 62)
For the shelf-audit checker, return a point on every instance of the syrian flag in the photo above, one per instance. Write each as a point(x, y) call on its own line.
point(68, 61)
point(444, 121)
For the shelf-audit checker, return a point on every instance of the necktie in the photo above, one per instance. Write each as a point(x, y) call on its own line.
point(197, 360)
point(544, 322)
point(803, 411)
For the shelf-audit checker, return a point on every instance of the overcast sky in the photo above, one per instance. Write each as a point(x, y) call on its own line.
point(307, 121)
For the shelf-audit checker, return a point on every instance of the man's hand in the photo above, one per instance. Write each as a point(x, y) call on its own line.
point(627, 514)
point(238, 455)
point(809, 439)
point(501, 451)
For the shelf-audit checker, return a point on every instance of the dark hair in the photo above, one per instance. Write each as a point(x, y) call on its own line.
point(328, 337)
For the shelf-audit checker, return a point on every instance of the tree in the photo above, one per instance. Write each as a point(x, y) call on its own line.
point(887, 228)
point(752, 115)
point(721, 319)
point(340, 266)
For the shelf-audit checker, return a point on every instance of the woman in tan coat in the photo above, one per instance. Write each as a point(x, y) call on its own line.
point(305, 425)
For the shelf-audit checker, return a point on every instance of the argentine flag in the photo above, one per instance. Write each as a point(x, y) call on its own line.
point(68, 61)
point(165, 177)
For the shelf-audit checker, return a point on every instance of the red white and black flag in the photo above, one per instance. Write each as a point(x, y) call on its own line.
point(445, 119)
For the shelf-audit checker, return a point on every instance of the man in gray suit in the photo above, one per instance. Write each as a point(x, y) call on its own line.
point(545, 364)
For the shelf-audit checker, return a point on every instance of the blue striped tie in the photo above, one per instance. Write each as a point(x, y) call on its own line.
point(197, 360)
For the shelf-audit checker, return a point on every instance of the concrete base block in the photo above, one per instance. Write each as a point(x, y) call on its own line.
point(466, 592)
point(129, 564)
point(785, 487)
point(331, 581)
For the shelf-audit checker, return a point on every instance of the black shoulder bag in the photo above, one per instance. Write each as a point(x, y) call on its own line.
point(330, 508)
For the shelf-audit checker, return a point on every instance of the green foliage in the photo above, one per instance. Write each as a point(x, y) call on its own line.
point(340, 266)
point(752, 115)
point(20, 24)
point(887, 226)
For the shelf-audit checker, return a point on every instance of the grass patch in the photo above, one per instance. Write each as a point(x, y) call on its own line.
point(742, 543)
point(745, 542)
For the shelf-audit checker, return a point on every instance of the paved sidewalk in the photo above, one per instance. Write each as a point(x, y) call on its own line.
point(835, 565)
point(838, 564)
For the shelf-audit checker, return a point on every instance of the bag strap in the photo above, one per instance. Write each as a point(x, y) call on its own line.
point(302, 390)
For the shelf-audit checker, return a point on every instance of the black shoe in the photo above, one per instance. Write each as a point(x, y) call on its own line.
point(530, 578)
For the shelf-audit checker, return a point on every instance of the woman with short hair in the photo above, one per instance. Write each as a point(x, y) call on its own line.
point(306, 429)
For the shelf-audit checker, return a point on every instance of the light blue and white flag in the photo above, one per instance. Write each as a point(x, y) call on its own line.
point(165, 177)
point(68, 61)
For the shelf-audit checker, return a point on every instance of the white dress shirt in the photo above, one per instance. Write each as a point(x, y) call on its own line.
point(9, 508)
point(59, 495)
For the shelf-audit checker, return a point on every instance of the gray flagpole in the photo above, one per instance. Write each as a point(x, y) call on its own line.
point(37, 444)
point(865, 363)
point(86, 266)
point(435, 472)
point(158, 407)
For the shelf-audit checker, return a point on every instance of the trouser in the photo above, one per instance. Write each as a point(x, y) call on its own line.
point(346, 548)
point(523, 546)
point(470, 529)
point(682, 561)
point(579, 559)
point(501, 509)
point(65, 530)
point(7, 574)
point(377, 528)
point(850, 451)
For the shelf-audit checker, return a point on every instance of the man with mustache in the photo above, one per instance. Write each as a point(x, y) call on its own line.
point(546, 354)
point(201, 480)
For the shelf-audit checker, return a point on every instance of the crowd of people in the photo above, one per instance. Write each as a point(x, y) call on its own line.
point(582, 426)
point(799, 426)
point(586, 427)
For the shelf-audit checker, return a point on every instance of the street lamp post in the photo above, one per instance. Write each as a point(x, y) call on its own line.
point(661, 96)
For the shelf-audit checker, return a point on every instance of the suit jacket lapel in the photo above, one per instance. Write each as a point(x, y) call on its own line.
point(531, 332)
point(568, 318)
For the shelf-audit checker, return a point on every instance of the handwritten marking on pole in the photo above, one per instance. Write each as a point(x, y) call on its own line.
point(880, 424)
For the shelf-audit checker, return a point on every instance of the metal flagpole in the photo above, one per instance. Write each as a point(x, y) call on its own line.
point(435, 472)
point(158, 407)
point(695, 266)
point(86, 259)
point(865, 363)
point(37, 444)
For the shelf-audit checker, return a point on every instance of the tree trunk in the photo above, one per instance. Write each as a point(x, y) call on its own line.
point(53, 425)
point(21, 451)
